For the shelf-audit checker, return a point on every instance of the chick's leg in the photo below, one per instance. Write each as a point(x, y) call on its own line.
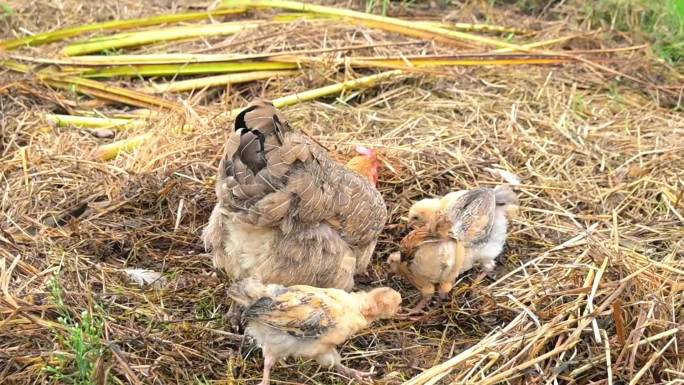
point(445, 289)
point(332, 358)
point(352, 373)
point(269, 360)
point(427, 288)
point(459, 260)
point(427, 291)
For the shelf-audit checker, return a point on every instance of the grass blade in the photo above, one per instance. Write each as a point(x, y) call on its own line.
point(213, 81)
point(61, 34)
point(123, 40)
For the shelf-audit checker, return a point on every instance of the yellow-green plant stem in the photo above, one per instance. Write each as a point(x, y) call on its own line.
point(92, 121)
point(61, 34)
point(123, 40)
point(111, 150)
point(186, 69)
point(375, 21)
point(213, 81)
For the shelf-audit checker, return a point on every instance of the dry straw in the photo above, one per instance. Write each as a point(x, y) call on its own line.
point(589, 289)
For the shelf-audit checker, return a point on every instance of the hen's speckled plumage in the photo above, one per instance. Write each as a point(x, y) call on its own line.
point(286, 212)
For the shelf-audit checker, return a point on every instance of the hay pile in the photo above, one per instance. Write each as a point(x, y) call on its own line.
point(589, 289)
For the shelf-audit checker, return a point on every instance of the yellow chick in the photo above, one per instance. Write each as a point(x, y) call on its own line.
point(310, 322)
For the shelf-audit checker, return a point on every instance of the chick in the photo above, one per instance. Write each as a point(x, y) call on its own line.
point(306, 321)
point(485, 250)
point(450, 235)
point(433, 262)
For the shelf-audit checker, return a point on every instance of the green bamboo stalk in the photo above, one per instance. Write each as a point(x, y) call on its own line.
point(92, 121)
point(371, 20)
point(186, 69)
point(61, 34)
point(111, 150)
point(213, 81)
point(122, 40)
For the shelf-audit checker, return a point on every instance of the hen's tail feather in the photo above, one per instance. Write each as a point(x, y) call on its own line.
point(249, 290)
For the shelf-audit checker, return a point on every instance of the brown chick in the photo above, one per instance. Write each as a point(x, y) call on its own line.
point(286, 212)
point(450, 235)
point(305, 321)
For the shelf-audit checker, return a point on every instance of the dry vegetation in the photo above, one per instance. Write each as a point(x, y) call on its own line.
point(589, 289)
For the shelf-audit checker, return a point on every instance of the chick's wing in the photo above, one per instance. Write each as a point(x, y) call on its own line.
point(472, 215)
point(299, 313)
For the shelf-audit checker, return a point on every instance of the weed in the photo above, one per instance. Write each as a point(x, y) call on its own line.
point(7, 11)
point(659, 22)
point(80, 343)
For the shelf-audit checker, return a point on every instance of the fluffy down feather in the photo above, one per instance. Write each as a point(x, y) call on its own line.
point(309, 322)
point(286, 212)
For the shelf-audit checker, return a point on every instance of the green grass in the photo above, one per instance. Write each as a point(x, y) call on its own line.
point(659, 22)
point(371, 4)
point(80, 344)
point(5, 10)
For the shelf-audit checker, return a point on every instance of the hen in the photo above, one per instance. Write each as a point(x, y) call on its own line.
point(286, 212)
point(309, 322)
point(451, 234)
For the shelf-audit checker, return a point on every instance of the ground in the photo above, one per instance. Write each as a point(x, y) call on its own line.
point(589, 288)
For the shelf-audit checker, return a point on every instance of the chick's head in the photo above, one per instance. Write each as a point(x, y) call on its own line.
point(423, 212)
point(382, 302)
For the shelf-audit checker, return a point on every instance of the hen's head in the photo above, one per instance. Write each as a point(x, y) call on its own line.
point(365, 164)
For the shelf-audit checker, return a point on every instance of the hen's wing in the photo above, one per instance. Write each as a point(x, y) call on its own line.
point(300, 313)
point(472, 215)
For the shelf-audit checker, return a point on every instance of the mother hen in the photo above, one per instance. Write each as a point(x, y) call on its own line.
point(287, 213)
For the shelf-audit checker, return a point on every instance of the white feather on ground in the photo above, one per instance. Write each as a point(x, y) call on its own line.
point(145, 277)
point(508, 176)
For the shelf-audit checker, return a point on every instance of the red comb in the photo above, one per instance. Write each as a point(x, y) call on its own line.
point(365, 150)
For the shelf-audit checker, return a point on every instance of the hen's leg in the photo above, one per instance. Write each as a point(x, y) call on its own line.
point(269, 360)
